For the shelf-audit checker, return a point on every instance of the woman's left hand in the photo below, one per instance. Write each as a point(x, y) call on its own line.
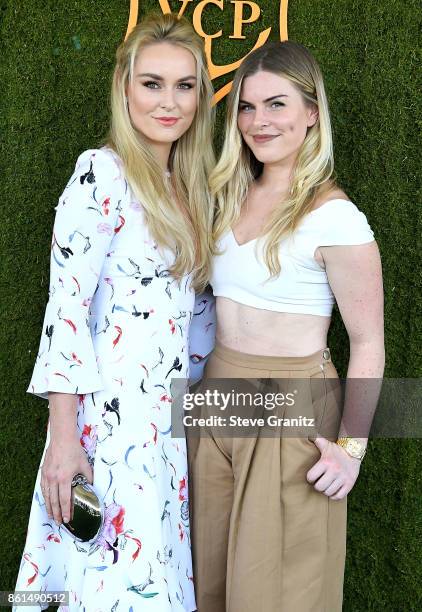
point(335, 473)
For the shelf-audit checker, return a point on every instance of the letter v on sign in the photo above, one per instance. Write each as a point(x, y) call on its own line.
point(240, 9)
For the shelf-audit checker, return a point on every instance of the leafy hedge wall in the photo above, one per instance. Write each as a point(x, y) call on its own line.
point(56, 61)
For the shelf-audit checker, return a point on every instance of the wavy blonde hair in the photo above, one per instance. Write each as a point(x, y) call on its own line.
point(237, 167)
point(188, 232)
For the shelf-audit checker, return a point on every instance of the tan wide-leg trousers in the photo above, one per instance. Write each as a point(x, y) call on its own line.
point(263, 539)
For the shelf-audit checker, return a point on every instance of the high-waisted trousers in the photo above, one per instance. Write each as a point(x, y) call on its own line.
point(263, 539)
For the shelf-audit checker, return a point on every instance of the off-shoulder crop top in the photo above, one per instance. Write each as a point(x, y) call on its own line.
point(302, 286)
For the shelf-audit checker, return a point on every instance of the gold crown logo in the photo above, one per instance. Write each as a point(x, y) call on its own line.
point(239, 21)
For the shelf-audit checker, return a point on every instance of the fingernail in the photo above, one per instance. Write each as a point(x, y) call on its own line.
point(65, 519)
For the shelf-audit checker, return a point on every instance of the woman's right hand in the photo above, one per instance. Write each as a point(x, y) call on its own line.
point(63, 459)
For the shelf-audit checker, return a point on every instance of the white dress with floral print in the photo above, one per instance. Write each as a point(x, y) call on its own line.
point(115, 333)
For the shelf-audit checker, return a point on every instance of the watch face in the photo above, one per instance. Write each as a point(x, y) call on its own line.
point(355, 448)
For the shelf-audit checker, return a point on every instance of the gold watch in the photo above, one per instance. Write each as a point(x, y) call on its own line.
point(353, 447)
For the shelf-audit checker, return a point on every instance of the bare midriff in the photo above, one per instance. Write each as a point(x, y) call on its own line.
point(265, 332)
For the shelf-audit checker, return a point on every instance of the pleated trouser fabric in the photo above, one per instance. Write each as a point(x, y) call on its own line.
point(264, 540)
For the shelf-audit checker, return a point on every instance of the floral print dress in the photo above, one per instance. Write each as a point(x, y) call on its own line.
point(115, 333)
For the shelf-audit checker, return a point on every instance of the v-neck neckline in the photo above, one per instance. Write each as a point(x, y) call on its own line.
point(311, 212)
point(243, 243)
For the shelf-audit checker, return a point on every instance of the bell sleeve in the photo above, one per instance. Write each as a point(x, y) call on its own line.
point(87, 218)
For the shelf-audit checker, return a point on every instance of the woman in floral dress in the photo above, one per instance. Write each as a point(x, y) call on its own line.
point(130, 246)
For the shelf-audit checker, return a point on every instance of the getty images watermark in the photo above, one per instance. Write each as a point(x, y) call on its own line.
point(246, 407)
point(291, 407)
point(218, 400)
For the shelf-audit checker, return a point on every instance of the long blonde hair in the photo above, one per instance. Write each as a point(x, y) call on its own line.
point(188, 233)
point(238, 168)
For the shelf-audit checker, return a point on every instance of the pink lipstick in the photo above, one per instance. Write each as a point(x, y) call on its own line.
point(167, 121)
point(262, 138)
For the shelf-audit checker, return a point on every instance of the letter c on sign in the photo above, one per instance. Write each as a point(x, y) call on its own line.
point(197, 18)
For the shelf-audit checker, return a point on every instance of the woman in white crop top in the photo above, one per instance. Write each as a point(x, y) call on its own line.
point(269, 513)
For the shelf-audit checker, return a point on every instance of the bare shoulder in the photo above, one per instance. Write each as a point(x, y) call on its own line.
point(326, 196)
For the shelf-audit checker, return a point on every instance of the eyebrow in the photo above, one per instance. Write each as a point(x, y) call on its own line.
point(267, 99)
point(157, 77)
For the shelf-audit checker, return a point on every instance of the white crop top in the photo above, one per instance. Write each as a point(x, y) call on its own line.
point(302, 285)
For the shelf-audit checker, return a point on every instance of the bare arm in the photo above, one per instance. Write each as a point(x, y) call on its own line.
point(63, 410)
point(355, 276)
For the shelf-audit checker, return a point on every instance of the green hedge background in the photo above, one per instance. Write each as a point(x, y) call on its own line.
point(55, 67)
